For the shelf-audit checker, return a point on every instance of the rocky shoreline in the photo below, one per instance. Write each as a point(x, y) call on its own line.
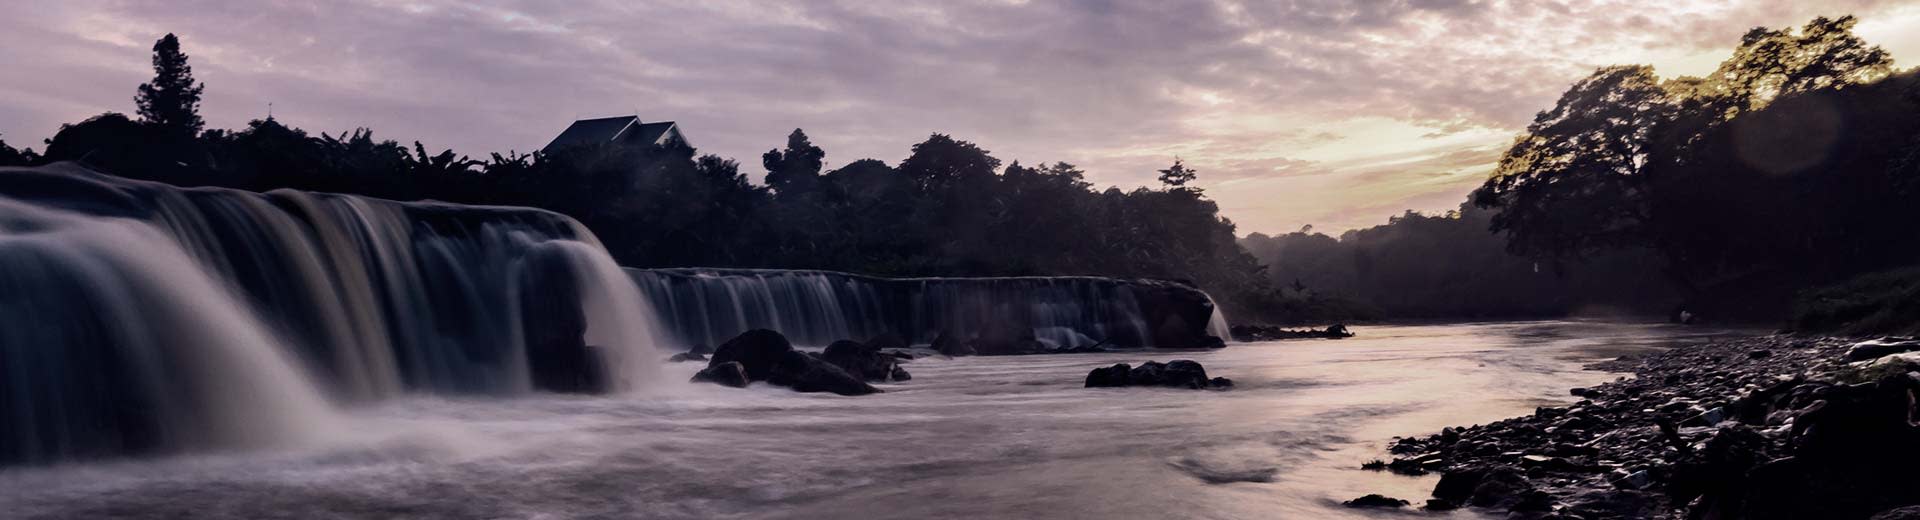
point(1767, 427)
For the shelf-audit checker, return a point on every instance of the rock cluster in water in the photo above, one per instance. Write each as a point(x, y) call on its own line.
point(1179, 373)
point(1764, 428)
point(871, 361)
point(765, 356)
point(1273, 333)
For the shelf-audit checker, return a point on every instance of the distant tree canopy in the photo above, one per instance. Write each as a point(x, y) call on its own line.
point(1448, 267)
point(1177, 176)
point(796, 168)
point(172, 100)
point(1786, 167)
point(1579, 166)
point(10, 156)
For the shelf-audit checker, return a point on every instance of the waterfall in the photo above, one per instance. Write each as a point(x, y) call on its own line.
point(708, 306)
point(116, 340)
point(140, 317)
point(1217, 325)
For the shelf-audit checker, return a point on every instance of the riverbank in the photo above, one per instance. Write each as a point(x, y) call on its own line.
point(1767, 427)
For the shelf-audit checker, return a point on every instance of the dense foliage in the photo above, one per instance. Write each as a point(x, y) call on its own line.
point(172, 99)
point(1449, 267)
point(1790, 166)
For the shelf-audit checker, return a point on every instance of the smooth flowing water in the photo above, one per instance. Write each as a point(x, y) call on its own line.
point(981, 437)
point(710, 306)
point(138, 318)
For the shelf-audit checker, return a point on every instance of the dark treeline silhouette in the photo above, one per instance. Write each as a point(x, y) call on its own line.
point(1790, 167)
point(948, 208)
point(1447, 266)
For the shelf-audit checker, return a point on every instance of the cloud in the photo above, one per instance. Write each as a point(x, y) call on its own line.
point(1322, 111)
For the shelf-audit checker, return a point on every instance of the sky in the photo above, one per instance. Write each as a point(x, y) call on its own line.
point(1333, 113)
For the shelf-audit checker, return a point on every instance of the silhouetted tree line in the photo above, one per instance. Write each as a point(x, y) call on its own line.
point(948, 208)
point(1792, 166)
point(1447, 266)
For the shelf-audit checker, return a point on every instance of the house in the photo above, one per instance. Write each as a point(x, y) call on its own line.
point(622, 129)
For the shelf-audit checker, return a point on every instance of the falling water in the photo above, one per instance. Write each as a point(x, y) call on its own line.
point(708, 306)
point(115, 340)
point(142, 317)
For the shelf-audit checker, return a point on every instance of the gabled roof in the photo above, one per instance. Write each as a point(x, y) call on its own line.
point(609, 129)
point(652, 132)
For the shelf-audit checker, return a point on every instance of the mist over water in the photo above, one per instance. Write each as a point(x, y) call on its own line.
point(967, 437)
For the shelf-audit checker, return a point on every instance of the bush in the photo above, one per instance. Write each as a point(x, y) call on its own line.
point(1886, 302)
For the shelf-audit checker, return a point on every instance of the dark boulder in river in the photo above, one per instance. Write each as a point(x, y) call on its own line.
point(766, 355)
point(1273, 333)
point(864, 360)
point(805, 373)
point(558, 358)
point(1109, 377)
point(758, 350)
point(947, 344)
point(1180, 373)
point(730, 373)
point(1375, 501)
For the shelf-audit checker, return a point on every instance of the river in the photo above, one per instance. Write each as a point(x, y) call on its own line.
point(1004, 437)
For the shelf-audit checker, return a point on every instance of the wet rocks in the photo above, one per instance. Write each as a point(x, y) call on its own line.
point(758, 350)
point(1872, 349)
point(554, 331)
point(865, 360)
point(1375, 501)
point(1007, 340)
point(686, 356)
point(1179, 373)
point(1703, 431)
point(1900, 513)
point(804, 373)
point(1109, 377)
point(1500, 487)
point(1272, 333)
point(730, 373)
point(948, 344)
point(765, 355)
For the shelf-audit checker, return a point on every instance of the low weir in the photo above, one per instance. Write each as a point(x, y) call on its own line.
point(707, 306)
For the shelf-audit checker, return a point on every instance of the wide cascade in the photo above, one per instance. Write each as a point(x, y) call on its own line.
point(139, 317)
point(708, 306)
